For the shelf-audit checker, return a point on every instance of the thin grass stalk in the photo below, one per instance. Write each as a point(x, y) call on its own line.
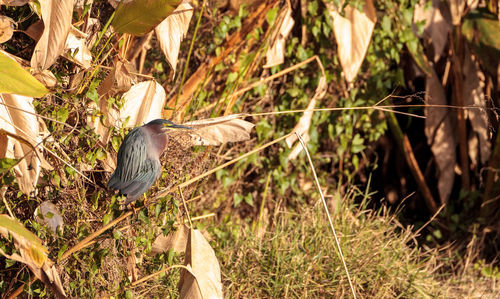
point(318, 186)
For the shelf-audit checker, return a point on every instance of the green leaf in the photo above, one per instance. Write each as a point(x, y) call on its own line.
point(138, 17)
point(481, 29)
point(237, 199)
point(417, 52)
point(37, 250)
point(15, 79)
point(6, 164)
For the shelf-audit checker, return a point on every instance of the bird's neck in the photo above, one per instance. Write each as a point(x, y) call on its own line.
point(158, 140)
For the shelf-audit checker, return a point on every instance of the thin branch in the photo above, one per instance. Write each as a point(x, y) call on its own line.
point(145, 278)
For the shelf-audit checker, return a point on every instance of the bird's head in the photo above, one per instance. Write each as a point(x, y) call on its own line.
point(164, 125)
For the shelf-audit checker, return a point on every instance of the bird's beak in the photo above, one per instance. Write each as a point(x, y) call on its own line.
point(175, 126)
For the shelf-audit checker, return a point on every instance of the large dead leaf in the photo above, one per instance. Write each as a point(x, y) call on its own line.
point(352, 33)
point(176, 241)
point(275, 55)
point(25, 125)
point(204, 279)
point(6, 28)
point(32, 253)
point(437, 26)
point(216, 131)
point(440, 135)
point(172, 30)
point(78, 50)
point(142, 103)
point(473, 94)
point(56, 16)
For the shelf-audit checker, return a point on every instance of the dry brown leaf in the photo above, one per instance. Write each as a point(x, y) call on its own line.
point(172, 30)
point(48, 214)
point(56, 16)
point(35, 30)
point(440, 135)
point(115, 3)
point(219, 130)
point(6, 29)
point(275, 55)
point(456, 9)
point(353, 34)
point(176, 240)
point(144, 102)
point(473, 94)
point(437, 27)
point(46, 77)
point(34, 255)
point(204, 279)
point(14, 2)
point(26, 126)
point(78, 50)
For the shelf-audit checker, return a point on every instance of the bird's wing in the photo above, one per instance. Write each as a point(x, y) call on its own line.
point(133, 162)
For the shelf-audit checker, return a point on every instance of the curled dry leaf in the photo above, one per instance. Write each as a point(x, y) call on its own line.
point(48, 214)
point(6, 29)
point(171, 31)
point(78, 50)
point(219, 130)
point(473, 91)
point(437, 26)
point(440, 135)
point(56, 16)
point(15, 121)
point(204, 279)
point(275, 55)
point(32, 253)
point(352, 33)
point(176, 241)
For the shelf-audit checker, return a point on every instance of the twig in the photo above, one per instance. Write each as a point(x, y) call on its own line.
point(318, 186)
point(2, 194)
point(135, 283)
point(272, 77)
point(84, 242)
point(430, 220)
point(203, 216)
point(185, 207)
